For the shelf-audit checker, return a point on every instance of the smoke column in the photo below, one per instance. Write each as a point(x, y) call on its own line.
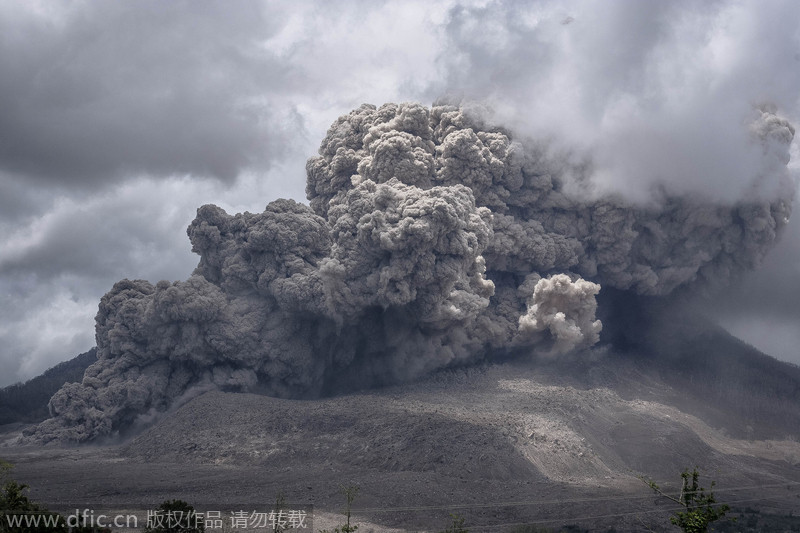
point(431, 239)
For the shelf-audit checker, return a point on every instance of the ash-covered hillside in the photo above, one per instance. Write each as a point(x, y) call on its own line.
point(540, 440)
point(27, 402)
point(432, 240)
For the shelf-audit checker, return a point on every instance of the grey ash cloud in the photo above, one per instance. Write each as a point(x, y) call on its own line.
point(431, 240)
point(117, 120)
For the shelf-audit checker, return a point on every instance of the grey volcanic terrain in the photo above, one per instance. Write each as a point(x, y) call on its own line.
point(455, 323)
point(537, 440)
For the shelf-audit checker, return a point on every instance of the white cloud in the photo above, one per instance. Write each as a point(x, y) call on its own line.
point(659, 94)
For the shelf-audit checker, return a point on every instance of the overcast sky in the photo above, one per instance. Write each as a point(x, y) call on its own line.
point(119, 119)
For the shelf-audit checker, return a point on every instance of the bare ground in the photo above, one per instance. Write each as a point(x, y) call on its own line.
point(503, 445)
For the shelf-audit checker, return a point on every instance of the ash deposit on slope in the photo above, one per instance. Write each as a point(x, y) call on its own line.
point(431, 240)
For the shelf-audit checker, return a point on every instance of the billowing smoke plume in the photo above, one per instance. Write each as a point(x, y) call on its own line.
point(431, 240)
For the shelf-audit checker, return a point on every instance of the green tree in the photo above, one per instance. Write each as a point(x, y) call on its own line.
point(174, 516)
point(15, 504)
point(700, 508)
point(280, 503)
point(5, 469)
point(18, 514)
point(349, 492)
point(457, 525)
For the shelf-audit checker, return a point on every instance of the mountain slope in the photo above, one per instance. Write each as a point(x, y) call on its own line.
point(546, 441)
point(539, 440)
point(706, 370)
point(27, 402)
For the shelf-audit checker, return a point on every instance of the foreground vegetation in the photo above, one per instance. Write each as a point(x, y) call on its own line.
point(14, 503)
point(700, 513)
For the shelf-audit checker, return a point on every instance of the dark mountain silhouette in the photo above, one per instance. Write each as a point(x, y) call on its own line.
point(27, 402)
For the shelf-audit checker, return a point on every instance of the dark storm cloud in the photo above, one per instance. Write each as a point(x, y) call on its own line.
point(18, 200)
point(112, 113)
point(53, 266)
point(70, 240)
point(40, 322)
point(95, 91)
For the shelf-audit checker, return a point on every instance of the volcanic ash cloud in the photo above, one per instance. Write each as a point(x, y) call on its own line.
point(431, 240)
